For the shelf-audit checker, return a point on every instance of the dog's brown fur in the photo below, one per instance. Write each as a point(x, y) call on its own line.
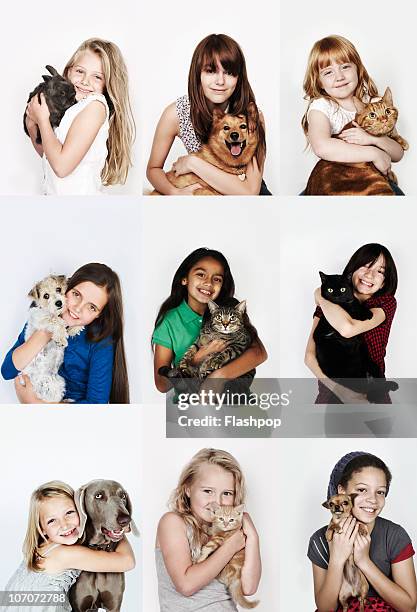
point(354, 583)
point(217, 151)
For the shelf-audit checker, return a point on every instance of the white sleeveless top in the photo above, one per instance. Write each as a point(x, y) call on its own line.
point(85, 179)
point(338, 116)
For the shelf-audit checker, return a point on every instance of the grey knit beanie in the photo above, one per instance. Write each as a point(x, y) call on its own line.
point(339, 468)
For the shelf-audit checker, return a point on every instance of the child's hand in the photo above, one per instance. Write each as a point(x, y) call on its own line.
point(24, 390)
point(189, 190)
point(182, 165)
point(215, 346)
point(357, 135)
point(237, 541)
point(38, 112)
point(342, 543)
point(381, 161)
point(361, 549)
point(248, 527)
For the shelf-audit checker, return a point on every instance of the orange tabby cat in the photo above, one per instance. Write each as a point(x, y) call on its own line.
point(226, 521)
point(340, 178)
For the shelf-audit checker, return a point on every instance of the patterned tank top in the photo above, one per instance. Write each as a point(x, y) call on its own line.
point(186, 133)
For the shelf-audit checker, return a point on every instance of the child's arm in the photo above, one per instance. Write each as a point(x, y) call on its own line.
point(189, 578)
point(252, 566)
point(334, 149)
point(89, 560)
point(359, 136)
point(347, 396)
point(32, 128)
point(162, 357)
point(64, 158)
point(343, 322)
point(165, 133)
point(23, 354)
point(401, 591)
point(251, 358)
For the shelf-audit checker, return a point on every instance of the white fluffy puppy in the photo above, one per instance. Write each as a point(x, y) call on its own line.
point(48, 302)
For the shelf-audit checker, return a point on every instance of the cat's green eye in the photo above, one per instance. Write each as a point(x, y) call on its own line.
point(342, 289)
point(330, 290)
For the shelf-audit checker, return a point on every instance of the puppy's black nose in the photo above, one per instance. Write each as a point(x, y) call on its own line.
point(123, 520)
point(58, 304)
point(234, 136)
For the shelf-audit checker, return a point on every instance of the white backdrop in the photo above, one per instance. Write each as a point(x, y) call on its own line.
point(308, 464)
point(50, 235)
point(49, 34)
point(245, 231)
point(322, 234)
point(75, 444)
point(167, 44)
point(165, 460)
point(385, 51)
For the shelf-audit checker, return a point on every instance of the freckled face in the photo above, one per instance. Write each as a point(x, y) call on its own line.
point(59, 520)
point(84, 304)
point(211, 484)
point(87, 75)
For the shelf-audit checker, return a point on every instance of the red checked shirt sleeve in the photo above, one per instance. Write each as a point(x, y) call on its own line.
point(377, 339)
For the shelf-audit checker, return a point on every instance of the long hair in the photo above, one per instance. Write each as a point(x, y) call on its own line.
point(324, 52)
point(181, 504)
point(34, 534)
point(121, 122)
point(222, 48)
point(368, 254)
point(109, 324)
point(179, 291)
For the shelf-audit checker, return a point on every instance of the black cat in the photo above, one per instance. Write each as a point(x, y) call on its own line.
point(59, 95)
point(347, 360)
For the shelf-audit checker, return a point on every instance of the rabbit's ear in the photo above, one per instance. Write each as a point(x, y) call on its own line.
point(52, 70)
point(46, 77)
point(79, 504)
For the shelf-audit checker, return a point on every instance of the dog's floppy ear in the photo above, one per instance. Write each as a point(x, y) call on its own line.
point(80, 505)
point(133, 527)
point(217, 114)
point(326, 504)
point(34, 292)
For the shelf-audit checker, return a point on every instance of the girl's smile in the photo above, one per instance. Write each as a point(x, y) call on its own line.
point(369, 279)
point(211, 484)
point(218, 85)
point(204, 282)
point(84, 303)
point(87, 75)
point(59, 520)
point(370, 486)
point(339, 80)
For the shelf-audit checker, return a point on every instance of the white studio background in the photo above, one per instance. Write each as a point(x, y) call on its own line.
point(385, 52)
point(49, 34)
point(245, 231)
point(322, 235)
point(308, 464)
point(74, 444)
point(258, 460)
point(47, 235)
point(174, 30)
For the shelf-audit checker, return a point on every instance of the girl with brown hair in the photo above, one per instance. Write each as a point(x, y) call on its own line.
point(217, 80)
point(94, 366)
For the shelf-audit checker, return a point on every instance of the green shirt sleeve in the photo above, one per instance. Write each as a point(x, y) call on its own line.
point(162, 335)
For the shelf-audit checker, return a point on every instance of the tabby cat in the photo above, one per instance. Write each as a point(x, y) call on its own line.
point(346, 360)
point(59, 95)
point(226, 521)
point(340, 178)
point(226, 323)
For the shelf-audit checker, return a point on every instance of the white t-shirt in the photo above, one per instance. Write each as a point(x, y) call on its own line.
point(337, 116)
point(85, 179)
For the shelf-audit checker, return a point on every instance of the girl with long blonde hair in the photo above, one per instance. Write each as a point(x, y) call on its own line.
point(52, 559)
point(335, 75)
point(212, 475)
point(92, 145)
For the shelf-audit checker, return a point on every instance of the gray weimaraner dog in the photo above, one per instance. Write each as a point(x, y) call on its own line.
point(105, 516)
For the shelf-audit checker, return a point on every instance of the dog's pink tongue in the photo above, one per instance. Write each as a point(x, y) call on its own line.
point(235, 149)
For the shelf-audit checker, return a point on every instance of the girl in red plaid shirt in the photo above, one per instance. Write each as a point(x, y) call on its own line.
point(374, 279)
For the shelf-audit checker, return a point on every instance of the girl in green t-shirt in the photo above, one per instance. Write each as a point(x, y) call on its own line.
point(203, 275)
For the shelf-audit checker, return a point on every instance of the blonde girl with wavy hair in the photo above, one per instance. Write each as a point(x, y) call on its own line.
point(335, 74)
point(212, 475)
point(52, 559)
point(92, 145)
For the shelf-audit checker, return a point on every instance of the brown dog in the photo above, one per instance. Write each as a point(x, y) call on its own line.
point(354, 583)
point(232, 144)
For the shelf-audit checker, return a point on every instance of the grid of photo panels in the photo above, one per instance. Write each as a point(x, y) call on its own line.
point(208, 400)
